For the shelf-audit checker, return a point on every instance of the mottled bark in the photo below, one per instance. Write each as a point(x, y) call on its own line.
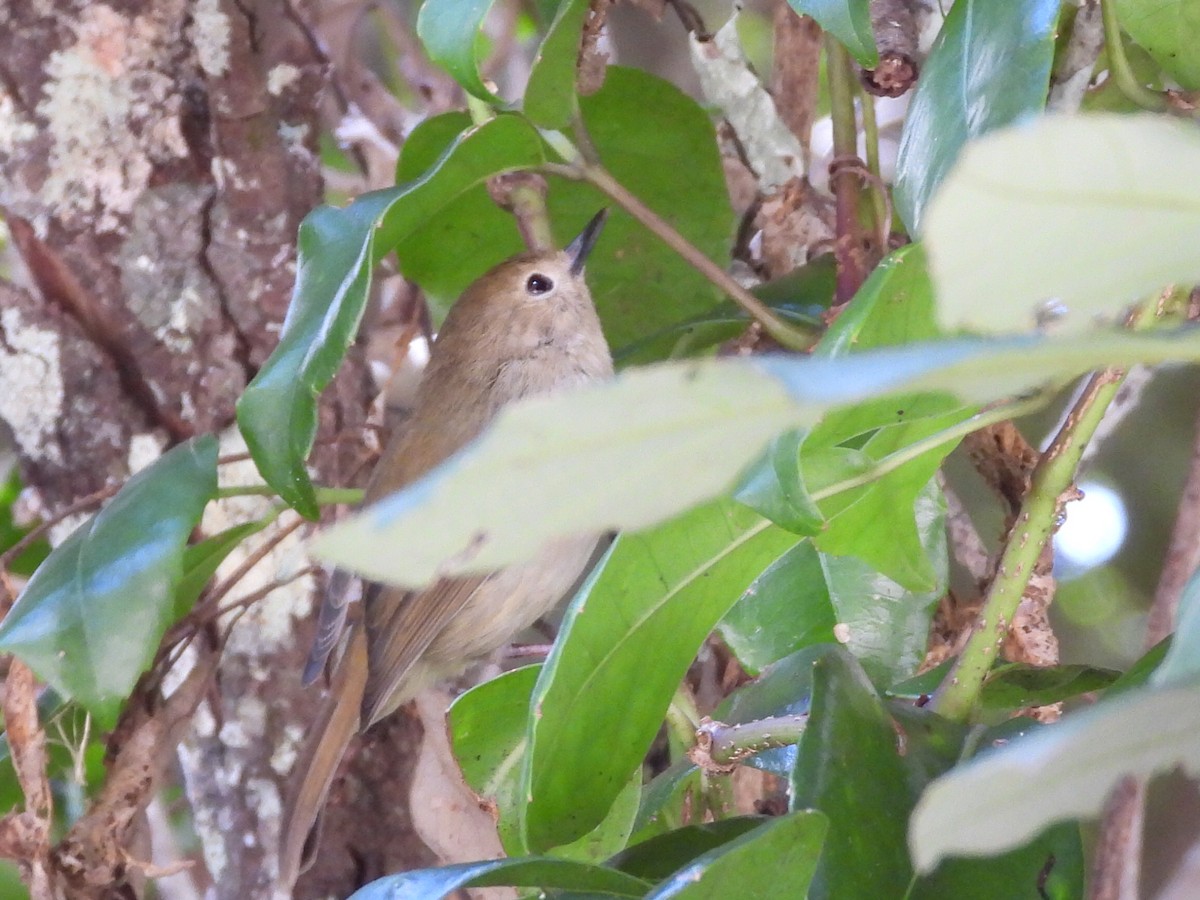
point(156, 158)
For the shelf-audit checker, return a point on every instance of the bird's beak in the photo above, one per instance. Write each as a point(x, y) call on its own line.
point(579, 248)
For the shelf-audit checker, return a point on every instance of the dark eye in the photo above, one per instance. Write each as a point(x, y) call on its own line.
point(538, 283)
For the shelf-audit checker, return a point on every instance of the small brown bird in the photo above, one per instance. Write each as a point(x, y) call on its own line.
point(526, 327)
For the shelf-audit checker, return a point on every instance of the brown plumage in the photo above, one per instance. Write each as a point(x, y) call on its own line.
point(526, 327)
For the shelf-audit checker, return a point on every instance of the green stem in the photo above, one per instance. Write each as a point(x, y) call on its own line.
point(851, 271)
point(1118, 63)
point(789, 336)
point(727, 744)
point(871, 138)
point(958, 694)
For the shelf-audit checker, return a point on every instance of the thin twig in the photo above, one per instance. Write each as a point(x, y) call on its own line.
point(795, 336)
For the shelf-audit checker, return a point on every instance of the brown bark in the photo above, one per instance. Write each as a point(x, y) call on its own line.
point(156, 158)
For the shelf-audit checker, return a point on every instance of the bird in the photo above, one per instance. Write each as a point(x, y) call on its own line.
point(526, 327)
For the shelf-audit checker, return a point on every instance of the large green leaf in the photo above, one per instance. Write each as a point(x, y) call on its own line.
point(1089, 182)
point(863, 765)
point(776, 859)
point(786, 608)
point(449, 29)
point(849, 769)
point(886, 624)
point(847, 20)
point(489, 732)
point(1169, 30)
point(1055, 774)
point(655, 441)
point(625, 645)
point(550, 99)
point(660, 856)
point(90, 619)
point(640, 285)
point(989, 66)
point(337, 250)
point(546, 873)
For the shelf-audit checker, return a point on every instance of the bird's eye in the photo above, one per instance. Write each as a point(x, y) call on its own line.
point(538, 283)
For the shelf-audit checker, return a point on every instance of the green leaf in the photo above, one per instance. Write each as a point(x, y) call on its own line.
point(1083, 180)
point(449, 31)
point(1016, 685)
point(847, 20)
point(546, 873)
point(886, 624)
point(776, 859)
point(1169, 30)
point(849, 769)
point(200, 561)
point(655, 441)
point(550, 94)
point(90, 619)
point(639, 284)
point(660, 856)
point(656, 598)
point(989, 66)
point(488, 732)
point(775, 489)
point(1064, 772)
point(1182, 661)
point(337, 250)
point(785, 609)
point(10, 533)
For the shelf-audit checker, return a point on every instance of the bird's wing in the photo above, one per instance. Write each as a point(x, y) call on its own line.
point(400, 626)
point(331, 623)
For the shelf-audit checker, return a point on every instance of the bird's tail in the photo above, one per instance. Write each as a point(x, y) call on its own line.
point(313, 773)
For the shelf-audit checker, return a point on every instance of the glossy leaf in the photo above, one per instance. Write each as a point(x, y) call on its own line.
point(90, 619)
point(656, 441)
point(1064, 772)
point(989, 66)
point(1083, 179)
point(786, 608)
point(847, 20)
point(550, 94)
point(660, 856)
point(657, 597)
point(1169, 30)
point(776, 859)
point(432, 884)
point(201, 561)
point(775, 488)
point(640, 286)
point(449, 30)
point(885, 624)
point(849, 768)
point(337, 250)
point(1016, 685)
point(488, 733)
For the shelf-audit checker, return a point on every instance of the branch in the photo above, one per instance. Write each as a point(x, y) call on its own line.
point(794, 336)
point(720, 747)
point(1051, 488)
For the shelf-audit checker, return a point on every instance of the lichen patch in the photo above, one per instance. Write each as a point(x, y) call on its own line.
point(32, 399)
